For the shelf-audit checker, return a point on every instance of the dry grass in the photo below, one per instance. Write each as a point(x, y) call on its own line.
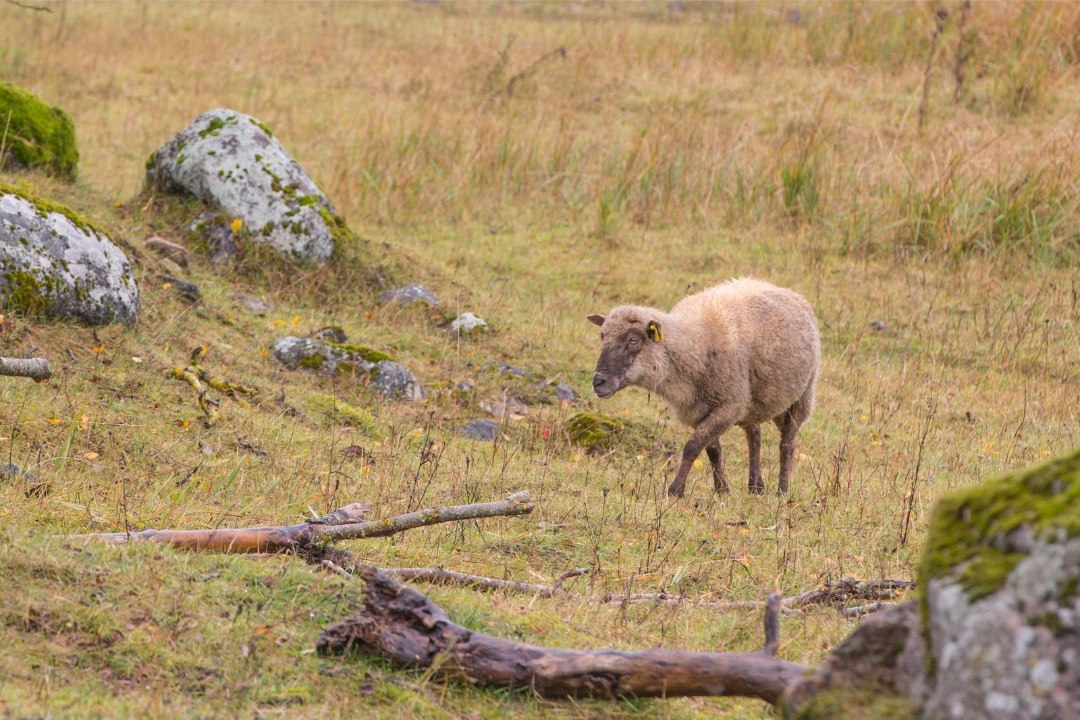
point(665, 150)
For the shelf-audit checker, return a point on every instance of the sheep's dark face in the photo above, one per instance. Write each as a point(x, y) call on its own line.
point(627, 339)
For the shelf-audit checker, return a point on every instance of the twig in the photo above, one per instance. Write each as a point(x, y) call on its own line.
point(439, 576)
point(28, 6)
point(860, 610)
point(962, 52)
point(283, 538)
point(531, 69)
point(37, 369)
point(939, 25)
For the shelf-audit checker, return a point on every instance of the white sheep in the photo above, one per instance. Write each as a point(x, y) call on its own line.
point(739, 353)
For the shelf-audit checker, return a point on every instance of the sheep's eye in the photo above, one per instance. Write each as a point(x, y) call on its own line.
point(635, 340)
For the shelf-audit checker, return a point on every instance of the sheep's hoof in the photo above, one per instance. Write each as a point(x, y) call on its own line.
point(675, 491)
point(758, 489)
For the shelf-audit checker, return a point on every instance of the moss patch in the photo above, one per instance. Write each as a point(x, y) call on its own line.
point(338, 412)
point(363, 352)
point(36, 135)
point(969, 529)
point(593, 431)
point(47, 206)
point(865, 702)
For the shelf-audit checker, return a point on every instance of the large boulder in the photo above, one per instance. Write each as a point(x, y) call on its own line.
point(233, 162)
point(1000, 578)
point(55, 263)
point(36, 136)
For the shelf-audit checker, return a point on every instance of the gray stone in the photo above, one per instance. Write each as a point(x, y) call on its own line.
point(186, 290)
point(53, 262)
point(253, 304)
point(397, 381)
point(409, 294)
point(297, 352)
point(215, 230)
point(467, 323)
point(32, 486)
point(480, 430)
point(332, 334)
point(233, 162)
point(169, 250)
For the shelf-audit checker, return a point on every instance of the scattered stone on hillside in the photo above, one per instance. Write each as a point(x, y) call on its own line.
point(233, 162)
point(397, 381)
point(31, 485)
point(168, 250)
point(331, 334)
point(410, 294)
point(217, 232)
point(55, 263)
point(467, 323)
point(565, 393)
point(465, 387)
point(593, 431)
point(878, 326)
point(507, 368)
point(35, 136)
point(510, 409)
point(255, 305)
point(480, 430)
point(1000, 576)
point(183, 288)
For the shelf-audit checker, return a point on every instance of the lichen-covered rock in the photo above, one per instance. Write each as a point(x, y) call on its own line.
point(233, 162)
point(55, 263)
point(1000, 578)
point(593, 431)
point(388, 378)
point(36, 135)
point(410, 294)
point(484, 430)
point(467, 323)
point(397, 382)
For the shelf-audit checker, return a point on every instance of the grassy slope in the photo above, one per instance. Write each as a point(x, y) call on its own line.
point(649, 160)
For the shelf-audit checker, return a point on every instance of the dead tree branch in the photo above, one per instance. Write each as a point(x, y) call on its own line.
point(37, 369)
point(296, 538)
point(404, 626)
point(28, 6)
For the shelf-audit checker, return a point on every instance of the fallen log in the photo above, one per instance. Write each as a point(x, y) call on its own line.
point(37, 369)
point(404, 626)
point(285, 538)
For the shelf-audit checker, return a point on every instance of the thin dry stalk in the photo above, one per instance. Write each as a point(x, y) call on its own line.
point(939, 25)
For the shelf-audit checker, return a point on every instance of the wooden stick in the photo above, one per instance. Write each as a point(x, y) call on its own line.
point(37, 369)
point(283, 538)
point(404, 626)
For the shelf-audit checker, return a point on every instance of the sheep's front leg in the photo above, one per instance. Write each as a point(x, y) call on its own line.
point(716, 458)
point(705, 433)
point(753, 451)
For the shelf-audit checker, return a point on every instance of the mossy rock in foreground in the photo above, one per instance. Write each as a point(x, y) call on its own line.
point(593, 431)
point(36, 136)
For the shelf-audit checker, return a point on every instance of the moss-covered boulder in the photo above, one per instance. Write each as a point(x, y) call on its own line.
point(233, 162)
point(1000, 583)
point(54, 263)
point(388, 378)
point(36, 136)
point(593, 431)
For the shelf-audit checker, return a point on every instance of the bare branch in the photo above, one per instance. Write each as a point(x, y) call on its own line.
point(404, 626)
point(28, 6)
point(36, 369)
point(439, 576)
point(860, 610)
point(283, 538)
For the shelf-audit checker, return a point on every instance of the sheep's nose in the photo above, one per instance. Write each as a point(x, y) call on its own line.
point(598, 382)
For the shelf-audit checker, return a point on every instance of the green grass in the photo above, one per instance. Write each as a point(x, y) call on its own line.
point(666, 151)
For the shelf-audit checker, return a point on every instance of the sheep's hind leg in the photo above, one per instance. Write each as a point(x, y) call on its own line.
point(789, 426)
point(753, 446)
point(716, 458)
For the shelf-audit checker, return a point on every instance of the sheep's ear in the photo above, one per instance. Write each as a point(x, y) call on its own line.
point(596, 319)
point(653, 331)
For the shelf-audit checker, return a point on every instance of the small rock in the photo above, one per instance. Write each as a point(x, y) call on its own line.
point(464, 387)
point(878, 326)
point(186, 290)
point(480, 430)
point(507, 368)
point(170, 267)
point(512, 409)
point(593, 431)
point(256, 305)
point(169, 250)
point(215, 230)
point(565, 393)
point(32, 486)
point(396, 381)
point(410, 294)
point(332, 334)
point(467, 323)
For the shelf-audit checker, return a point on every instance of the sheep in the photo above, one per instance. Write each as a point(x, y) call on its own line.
point(739, 353)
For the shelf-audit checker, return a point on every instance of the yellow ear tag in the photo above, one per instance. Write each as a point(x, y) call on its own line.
point(653, 330)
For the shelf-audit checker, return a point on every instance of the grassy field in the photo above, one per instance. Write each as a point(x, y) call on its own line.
point(913, 175)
